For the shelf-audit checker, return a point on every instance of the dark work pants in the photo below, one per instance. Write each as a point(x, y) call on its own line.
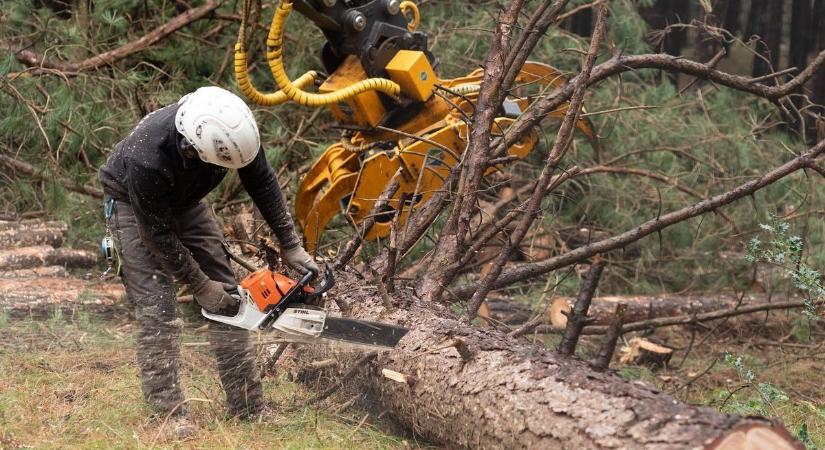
point(152, 291)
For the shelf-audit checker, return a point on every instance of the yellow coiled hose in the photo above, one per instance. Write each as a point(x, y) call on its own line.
point(242, 72)
point(346, 142)
point(274, 56)
point(467, 88)
point(253, 94)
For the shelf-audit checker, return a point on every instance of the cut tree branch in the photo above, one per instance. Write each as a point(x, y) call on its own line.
point(611, 337)
point(578, 316)
point(528, 270)
point(28, 169)
point(562, 142)
point(620, 64)
point(39, 61)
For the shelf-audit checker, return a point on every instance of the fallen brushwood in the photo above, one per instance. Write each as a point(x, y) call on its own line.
point(506, 393)
point(32, 232)
point(43, 255)
point(690, 319)
point(643, 307)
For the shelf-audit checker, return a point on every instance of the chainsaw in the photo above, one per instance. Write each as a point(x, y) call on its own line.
point(271, 301)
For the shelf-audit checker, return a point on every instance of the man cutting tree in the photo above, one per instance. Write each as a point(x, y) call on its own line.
point(155, 181)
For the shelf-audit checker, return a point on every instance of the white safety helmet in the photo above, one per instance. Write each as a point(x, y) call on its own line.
point(220, 126)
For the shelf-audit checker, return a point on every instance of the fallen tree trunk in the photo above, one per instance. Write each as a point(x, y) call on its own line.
point(477, 388)
point(42, 255)
point(640, 307)
point(32, 232)
point(39, 293)
point(35, 272)
point(504, 310)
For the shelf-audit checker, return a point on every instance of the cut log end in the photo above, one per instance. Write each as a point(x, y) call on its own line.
point(756, 437)
point(558, 311)
point(642, 352)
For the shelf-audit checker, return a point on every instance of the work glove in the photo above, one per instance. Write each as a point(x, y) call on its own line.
point(214, 296)
point(299, 259)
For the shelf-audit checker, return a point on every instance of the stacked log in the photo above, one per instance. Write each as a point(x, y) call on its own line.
point(34, 269)
point(35, 272)
point(44, 255)
point(32, 232)
point(42, 293)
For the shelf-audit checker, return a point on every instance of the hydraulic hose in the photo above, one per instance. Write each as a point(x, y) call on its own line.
point(274, 56)
point(466, 88)
point(253, 94)
point(346, 142)
point(408, 6)
point(242, 72)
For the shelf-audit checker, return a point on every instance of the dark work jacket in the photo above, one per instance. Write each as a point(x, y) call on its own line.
point(148, 171)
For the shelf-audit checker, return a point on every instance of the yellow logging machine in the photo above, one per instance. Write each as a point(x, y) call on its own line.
point(399, 119)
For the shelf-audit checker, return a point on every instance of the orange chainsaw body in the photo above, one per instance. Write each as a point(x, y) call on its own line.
point(268, 288)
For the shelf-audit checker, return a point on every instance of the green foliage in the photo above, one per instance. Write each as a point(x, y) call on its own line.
point(626, 29)
point(785, 250)
point(706, 142)
point(753, 397)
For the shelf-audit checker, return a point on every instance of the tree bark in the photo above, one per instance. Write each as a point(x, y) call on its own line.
point(37, 256)
point(799, 33)
point(43, 293)
point(506, 393)
point(731, 16)
point(771, 29)
point(35, 272)
point(32, 232)
point(639, 307)
point(818, 82)
point(668, 12)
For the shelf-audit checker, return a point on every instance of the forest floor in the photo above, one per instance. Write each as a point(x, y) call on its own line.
point(769, 366)
point(71, 381)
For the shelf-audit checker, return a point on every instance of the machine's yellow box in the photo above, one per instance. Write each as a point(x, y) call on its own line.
point(413, 72)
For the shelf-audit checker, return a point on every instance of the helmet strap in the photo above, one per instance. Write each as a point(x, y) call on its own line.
point(187, 149)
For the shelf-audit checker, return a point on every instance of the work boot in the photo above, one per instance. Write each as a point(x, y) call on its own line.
point(260, 414)
point(181, 427)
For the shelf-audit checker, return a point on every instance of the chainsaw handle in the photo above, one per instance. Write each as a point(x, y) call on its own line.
point(326, 284)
